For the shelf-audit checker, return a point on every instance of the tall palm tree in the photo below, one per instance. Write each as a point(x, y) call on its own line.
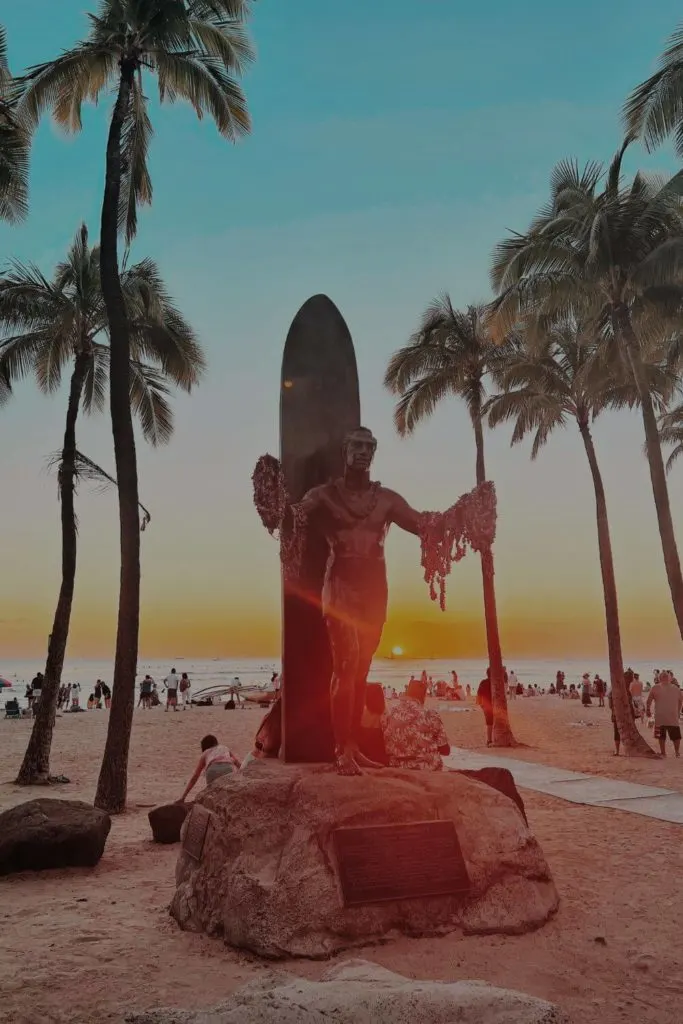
point(451, 353)
point(14, 147)
point(195, 48)
point(610, 256)
point(47, 325)
point(566, 378)
point(654, 110)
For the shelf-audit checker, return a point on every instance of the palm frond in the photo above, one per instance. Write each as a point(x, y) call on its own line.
point(208, 86)
point(61, 86)
point(91, 472)
point(654, 110)
point(149, 402)
point(136, 184)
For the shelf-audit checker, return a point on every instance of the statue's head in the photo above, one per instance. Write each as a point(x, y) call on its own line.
point(359, 448)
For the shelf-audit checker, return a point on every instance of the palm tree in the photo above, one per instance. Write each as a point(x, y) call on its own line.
point(654, 110)
point(48, 324)
point(612, 258)
point(13, 147)
point(566, 378)
point(451, 353)
point(195, 48)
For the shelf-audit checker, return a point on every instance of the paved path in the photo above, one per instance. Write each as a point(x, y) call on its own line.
point(664, 804)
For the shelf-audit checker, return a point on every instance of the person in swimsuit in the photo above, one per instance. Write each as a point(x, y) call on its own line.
point(215, 760)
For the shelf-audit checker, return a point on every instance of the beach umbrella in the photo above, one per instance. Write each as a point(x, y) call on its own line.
point(4, 683)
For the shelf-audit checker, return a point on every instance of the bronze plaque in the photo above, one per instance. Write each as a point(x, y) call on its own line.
point(377, 863)
point(195, 833)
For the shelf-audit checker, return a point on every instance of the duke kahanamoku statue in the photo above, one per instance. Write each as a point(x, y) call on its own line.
point(354, 514)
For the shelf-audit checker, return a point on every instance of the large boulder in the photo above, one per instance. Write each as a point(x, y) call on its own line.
point(167, 820)
point(267, 878)
point(358, 991)
point(47, 833)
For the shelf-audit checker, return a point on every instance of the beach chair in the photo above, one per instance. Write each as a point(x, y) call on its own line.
point(12, 709)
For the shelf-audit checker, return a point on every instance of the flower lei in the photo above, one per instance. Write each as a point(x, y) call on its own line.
point(445, 536)
point(272, 504)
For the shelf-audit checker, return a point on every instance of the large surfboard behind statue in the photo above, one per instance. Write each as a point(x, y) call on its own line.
point(319, 404)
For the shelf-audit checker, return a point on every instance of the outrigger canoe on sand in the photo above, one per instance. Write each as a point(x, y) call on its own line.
point(211, 695)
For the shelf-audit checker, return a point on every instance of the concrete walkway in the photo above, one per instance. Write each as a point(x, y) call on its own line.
point(663, 804)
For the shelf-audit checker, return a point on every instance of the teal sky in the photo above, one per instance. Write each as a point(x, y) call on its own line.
point(388, 156)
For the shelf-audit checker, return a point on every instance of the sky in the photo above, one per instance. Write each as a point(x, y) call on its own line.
point(388, 156)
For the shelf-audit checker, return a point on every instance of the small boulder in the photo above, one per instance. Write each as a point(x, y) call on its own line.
point(167, 820)
point(361, 991)
point(45, 833)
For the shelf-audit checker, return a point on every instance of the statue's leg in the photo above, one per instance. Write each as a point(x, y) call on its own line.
point(368, 642)
point(345, 650)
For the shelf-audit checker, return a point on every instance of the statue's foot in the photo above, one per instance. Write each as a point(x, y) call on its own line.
point(346, 765)
point(365, 762)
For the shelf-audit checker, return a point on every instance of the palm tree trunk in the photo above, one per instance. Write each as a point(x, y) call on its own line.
point(113, 780)
point(35, 768)
point(502, 732)
point(634, 743)
point(653, 447)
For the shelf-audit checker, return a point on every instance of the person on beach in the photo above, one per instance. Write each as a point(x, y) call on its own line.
point(600, 690)
point(75, 696)
point(636, 691)
point(216, 760)
point(184, 689)
point(667, 700)
point(512, 684)
point(414, 736)
point(146, 692)
point(106, 693)
point(171, 687)
point(234, 694)
point(586, 690)
point(37, 686)
point(628, 678)
point(485, 702)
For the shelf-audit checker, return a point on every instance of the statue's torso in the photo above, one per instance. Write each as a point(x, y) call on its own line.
point(355, 530)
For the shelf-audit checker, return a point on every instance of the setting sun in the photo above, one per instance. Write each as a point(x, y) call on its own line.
point(397, 651)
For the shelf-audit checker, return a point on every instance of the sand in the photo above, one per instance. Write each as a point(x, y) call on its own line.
point(87, 946)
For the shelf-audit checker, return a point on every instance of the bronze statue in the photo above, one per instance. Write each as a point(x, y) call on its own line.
point(354, 515)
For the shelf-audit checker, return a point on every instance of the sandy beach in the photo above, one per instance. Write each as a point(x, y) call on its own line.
point(88, 946)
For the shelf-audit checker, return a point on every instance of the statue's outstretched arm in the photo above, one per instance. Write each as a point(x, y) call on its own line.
point(404, 515)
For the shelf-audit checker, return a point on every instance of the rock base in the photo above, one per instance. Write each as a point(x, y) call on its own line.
point(360, 991)
point(43, 834)
point(267, 880)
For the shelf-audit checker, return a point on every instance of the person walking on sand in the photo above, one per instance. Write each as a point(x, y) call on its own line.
point(184, 688)
point(485, 702)
point(171, 687)
point(668, 701)
point(512, 684)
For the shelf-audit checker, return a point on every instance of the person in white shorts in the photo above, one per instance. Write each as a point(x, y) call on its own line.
point(184, 690)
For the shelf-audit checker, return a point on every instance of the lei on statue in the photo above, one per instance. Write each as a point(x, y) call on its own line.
point(444, 536)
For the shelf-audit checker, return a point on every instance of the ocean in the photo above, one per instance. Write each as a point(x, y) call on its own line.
point(257, 672)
